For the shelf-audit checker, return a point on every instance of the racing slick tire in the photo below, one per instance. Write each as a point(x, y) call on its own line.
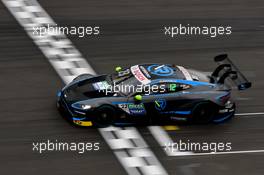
point(203, 112)
point(82, 77)
point(104, 116)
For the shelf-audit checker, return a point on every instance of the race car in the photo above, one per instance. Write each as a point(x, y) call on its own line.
point(152, 94)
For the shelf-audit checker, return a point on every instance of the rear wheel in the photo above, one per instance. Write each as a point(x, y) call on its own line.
point(104, 116)
point(203, 113)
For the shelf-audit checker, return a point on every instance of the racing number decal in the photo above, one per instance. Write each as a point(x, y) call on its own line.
point(124, 107)
point(123, 73)
point(172, 87)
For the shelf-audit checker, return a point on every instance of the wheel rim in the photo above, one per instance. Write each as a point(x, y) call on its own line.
point(104, 116)
point(203, 113)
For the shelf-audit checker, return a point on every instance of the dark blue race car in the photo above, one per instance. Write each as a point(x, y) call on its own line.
point(152, 94)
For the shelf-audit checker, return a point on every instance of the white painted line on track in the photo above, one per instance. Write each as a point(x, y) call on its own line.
point(221, 153)
point(247, 114)
point(132, 151)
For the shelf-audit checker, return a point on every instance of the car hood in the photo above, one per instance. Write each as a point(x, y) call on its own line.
point(94, 87)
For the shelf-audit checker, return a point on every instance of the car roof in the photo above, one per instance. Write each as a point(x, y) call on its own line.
point(165, 71)
point(157, 73)
point(187, 82)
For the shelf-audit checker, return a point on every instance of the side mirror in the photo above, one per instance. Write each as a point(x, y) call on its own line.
point(138, 98)
point(118, 69)
point(219, 58)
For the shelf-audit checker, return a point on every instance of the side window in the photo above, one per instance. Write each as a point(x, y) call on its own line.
point(176, 87)
point(162, 88)
point(168, 88)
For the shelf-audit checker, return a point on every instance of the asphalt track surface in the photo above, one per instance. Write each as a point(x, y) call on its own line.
point(132, 33)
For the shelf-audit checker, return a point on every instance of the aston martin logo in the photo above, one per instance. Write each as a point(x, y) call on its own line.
point(160, 104)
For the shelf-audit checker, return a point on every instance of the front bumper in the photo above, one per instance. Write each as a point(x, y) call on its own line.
point(75, 116)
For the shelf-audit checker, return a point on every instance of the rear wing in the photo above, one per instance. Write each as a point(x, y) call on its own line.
point(227, 69)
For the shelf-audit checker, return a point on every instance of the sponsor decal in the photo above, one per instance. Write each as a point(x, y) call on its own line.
point(124, 73)
point(139, 75)
point(178, 118)
point(134, 109)
point(82, 123)
point(145, 71)
point(160, 104)
point(137, 109)
point(226, 110)
point(160, 70)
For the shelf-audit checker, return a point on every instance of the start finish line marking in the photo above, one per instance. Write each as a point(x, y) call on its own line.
point(127, 144)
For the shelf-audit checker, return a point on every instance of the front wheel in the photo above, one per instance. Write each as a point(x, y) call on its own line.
point(104, 116)
point(203, 113)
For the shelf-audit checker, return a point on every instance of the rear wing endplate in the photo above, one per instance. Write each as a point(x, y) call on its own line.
point(226, 68)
